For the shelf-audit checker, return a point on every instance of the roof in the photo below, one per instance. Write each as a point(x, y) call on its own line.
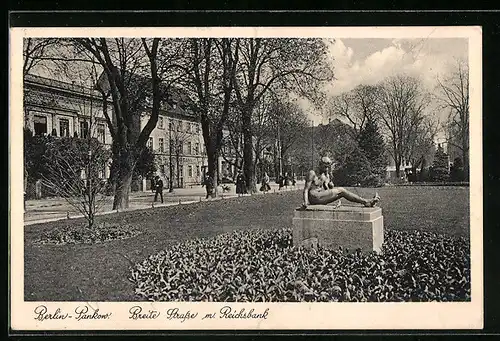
point(174, 95)
point(60, 85)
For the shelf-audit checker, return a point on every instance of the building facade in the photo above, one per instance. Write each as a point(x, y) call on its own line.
point(177, 143)
point(63, 109)
point(53, 107)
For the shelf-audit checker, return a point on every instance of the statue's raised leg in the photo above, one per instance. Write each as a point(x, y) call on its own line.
point(331, 195)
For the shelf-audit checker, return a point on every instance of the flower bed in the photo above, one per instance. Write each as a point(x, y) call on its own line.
point(77, 234)
point(262, 265)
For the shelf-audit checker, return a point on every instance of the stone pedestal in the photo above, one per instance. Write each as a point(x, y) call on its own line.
point(349, 227)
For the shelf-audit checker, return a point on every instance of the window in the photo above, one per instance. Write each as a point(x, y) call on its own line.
point(196, 148)
point(190, 171)
point(160, 142)
point(171, 126)
point(189, 147)
point(162, 169)
point(63, 127)
point(171, 145)
point(198, 171)
point(150, 142)
point(160, 122)
point(40, 125)
point(101, 132)
point(181, 170)
point(197, 128)
point(179, 126)
point(84, 129)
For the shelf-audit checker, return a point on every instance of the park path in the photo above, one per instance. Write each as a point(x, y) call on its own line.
point(54, 209)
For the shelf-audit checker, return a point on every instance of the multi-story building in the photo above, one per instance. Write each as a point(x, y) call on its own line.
point(62, 109)
point(57, 108)
point(177, 143)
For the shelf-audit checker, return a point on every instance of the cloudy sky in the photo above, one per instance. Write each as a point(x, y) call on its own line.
point(368, 61)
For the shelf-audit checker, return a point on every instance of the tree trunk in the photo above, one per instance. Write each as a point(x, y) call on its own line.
point(465, 153)
point(212, 160)
point(123, 179)
point(248, 154)
point(178, 171)
point(465, 158)
point(398, 169)
point(121, 199)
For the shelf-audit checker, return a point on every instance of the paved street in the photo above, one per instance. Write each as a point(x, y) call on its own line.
point(50, 209)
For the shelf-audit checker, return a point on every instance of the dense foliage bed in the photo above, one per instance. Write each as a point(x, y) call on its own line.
point(262, 265)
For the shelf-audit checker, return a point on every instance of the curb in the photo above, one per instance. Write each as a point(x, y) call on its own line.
point(221, 197)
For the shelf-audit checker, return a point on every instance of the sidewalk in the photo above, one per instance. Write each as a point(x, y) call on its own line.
point(53, 209)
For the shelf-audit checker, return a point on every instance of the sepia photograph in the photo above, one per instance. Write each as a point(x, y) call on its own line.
point(250, 169)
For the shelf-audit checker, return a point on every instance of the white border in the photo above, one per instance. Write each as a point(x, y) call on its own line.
point(290, 316)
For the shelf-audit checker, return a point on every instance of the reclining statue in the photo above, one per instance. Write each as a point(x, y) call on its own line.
point(320, 190)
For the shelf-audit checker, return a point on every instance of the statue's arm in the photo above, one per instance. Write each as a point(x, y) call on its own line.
point(306, 193)
point(307, 187)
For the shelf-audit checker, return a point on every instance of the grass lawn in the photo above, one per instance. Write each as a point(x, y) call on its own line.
point(99, 272)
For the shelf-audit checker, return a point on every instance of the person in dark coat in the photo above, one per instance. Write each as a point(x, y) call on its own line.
point(265, 183)
point(159, 188)
point(240, 184)
point(286, 180)
point(209, 186)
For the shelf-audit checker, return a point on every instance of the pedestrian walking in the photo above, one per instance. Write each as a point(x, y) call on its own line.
point(281, 182)
point(209, 186)
point(265, 183)
point(159, 188)
point(240, 184)
point(286, 180)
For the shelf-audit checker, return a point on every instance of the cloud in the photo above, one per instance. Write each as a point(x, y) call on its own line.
point(417, 58)
point(371, 63)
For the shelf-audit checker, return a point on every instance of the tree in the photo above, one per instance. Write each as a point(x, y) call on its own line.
point(134, 74)
point(232, 142)
point(422, 148)
point(178, 138)
point(371, 143)
point(75, 171)
point(356, 106)
point(34, 151)
point(454, 95)
point(355, 169)
point(457, 170)
point(211, 63)
point(287, 121)
point(36, 52)
point(281, 64)
point(440, 167)
point(402, 106)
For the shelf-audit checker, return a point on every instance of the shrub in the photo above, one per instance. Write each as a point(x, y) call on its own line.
point(440, 169)
point(262, 265)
